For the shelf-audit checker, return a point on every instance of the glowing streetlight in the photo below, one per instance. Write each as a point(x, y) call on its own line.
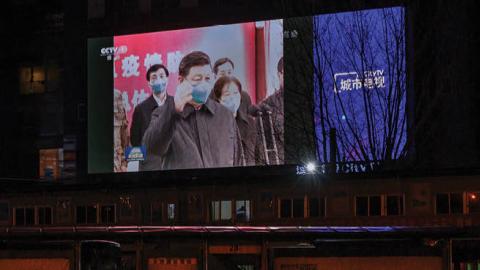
point(310, 167)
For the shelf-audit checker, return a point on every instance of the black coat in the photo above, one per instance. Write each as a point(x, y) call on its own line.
point(248, 136)
point(141, 119)
point(273, 133)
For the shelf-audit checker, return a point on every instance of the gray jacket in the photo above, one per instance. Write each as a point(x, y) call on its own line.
point(204, 138)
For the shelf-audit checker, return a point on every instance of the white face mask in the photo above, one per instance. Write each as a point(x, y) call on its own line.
point(158, 86)
point(200, 92)
point(232, 102)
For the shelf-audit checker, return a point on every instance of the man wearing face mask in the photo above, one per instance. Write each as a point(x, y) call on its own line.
point(192, 130)
point(157, 78)
point(227, 91)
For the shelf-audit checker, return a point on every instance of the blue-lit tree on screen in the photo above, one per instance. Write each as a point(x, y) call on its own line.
point(360, 85)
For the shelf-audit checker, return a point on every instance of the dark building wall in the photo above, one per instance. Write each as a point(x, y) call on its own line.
point(32, 38)
point(420, 202)
point(446, 96)
point(75, 79)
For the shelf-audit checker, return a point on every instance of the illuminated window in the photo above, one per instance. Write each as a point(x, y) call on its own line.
point(226, 210)
point(215, 210)
point(242, 210)
point(38, 79)
point(107, 214)
point(32, 80)
point(50, 163)
point(221, 210)
point(86, 214)
point(171, 211)
point(449, 203)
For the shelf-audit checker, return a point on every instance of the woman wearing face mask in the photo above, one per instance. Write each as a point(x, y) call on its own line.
point(227, 91)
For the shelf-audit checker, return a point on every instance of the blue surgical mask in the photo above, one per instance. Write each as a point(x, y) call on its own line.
point(231, 102)
point(200, 92)
point(159, 86)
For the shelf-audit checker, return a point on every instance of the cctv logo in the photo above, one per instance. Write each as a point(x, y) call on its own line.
point(111, 51)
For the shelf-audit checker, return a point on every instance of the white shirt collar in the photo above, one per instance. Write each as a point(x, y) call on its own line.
point(159, 101)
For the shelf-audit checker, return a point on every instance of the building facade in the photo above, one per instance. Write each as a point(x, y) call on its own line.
point(426, 216)
point(305, 220)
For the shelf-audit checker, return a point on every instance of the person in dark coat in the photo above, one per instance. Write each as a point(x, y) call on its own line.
point(227, 91)
point(192, 130)
point(157, 77)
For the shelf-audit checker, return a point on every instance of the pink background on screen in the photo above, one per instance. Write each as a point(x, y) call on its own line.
point(236, 41)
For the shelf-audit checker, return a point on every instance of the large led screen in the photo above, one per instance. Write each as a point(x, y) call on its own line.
point(329, 88)
point(186, 99)
point(360, 85)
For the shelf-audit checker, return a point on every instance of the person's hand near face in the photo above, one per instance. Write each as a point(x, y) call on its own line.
point(199, 77)
point(183, 95)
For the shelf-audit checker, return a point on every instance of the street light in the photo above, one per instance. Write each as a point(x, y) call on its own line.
point(311, 167)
